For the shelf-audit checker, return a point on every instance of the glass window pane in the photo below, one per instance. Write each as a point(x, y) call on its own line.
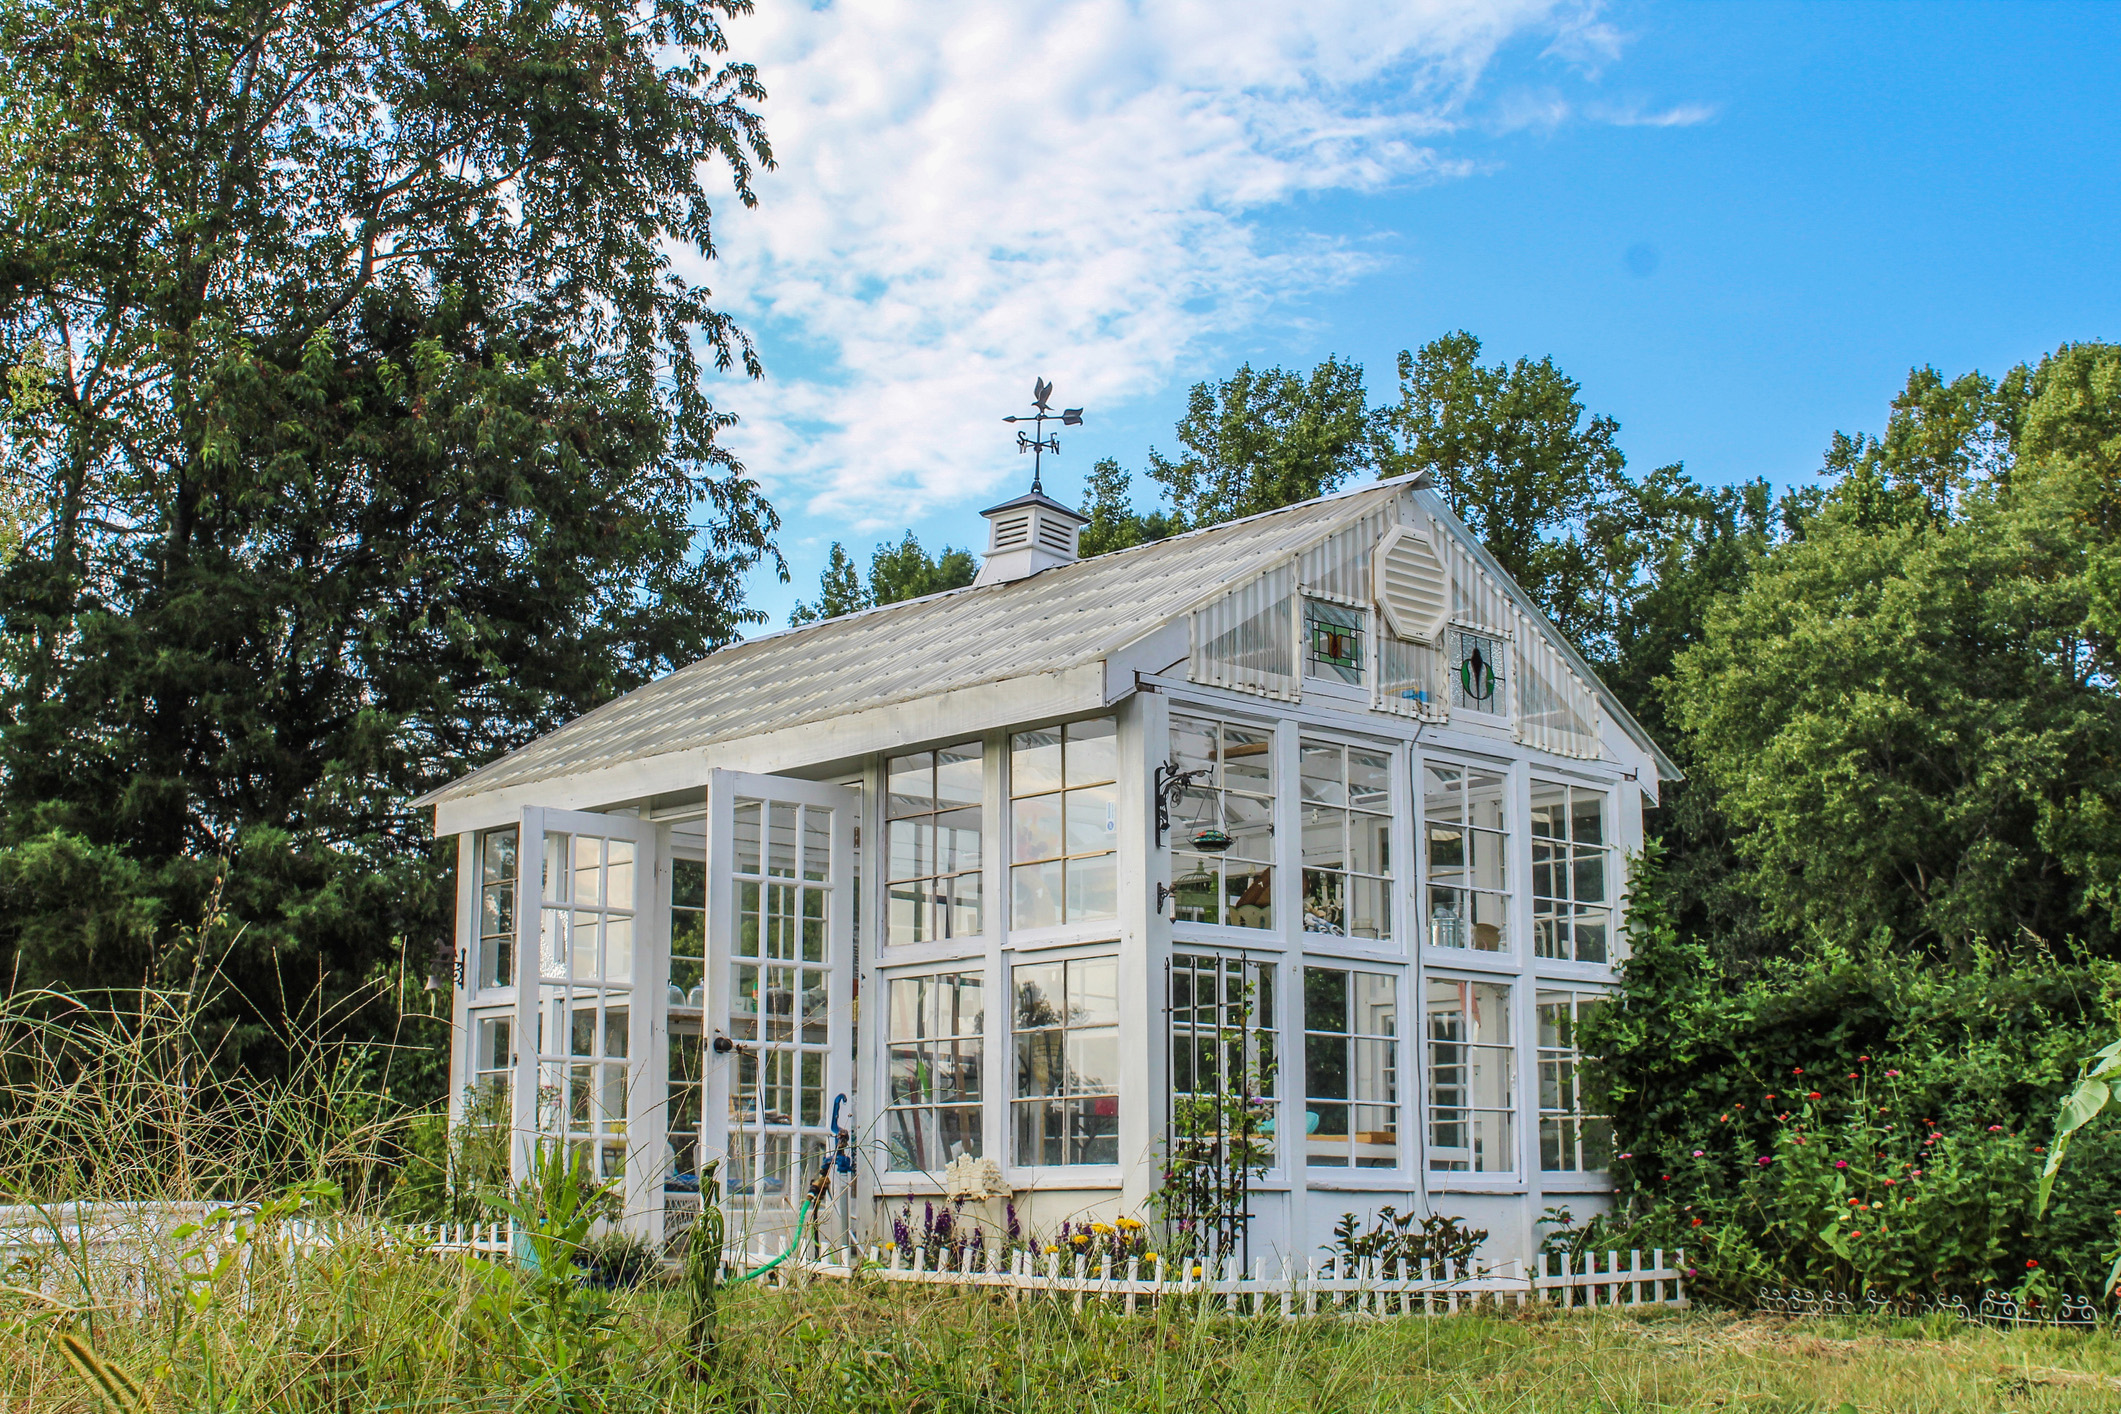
point(1093, 1061)
point(909, 783)
point(1325, 838)
point(1036, 895)
point(1193, 744)
point(747, 829)
point(966, 910)
point(909, 847)
point(1369, 779)
point(957, 841)
point(817, 844)
point(1092, 820)
point(1325, 999)
point(780, 839)
point(1093, 751)
point(1093, 991)
point(1587, 816)
point(1035, 762)
point(1036, 829)
point(1093, 888)
point(1322, 773)
point(959, 779)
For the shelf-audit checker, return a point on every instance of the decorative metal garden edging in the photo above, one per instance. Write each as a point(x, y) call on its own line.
point(1322, 1286)
point(1999, 1308)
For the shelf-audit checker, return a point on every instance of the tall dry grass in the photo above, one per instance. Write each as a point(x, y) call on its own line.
point(125, 1105)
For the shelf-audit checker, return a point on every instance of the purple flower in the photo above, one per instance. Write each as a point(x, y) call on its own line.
point(1016, 1230)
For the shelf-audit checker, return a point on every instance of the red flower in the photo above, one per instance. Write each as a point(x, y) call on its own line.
point(1697, 1222)
point(2030, 1264)
point(1811, 1095)
point(1798, 1071)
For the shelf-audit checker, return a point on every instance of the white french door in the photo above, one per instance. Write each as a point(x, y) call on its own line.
point(780, 965)
point(586, 1000)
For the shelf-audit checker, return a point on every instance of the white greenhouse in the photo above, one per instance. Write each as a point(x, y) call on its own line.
point(976, 890)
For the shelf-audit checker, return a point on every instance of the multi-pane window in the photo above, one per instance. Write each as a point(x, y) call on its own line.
point(688, 933)
point(1064, 825)
point(1334, 641)
point(1222, 1042)
point(1465, 814)
point(1571, 916)
point(780, 1002)
point(497, 908)
point(1570, 1141)
point(936, 1043)
point(1472, 1077)
point(933, 844)
point(1347, 830)
point(1351, 1068)
point(1067, 1062)
point(585, 970)
point(1477, 684)
point(1235, 798)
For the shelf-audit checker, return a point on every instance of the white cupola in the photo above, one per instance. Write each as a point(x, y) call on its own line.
point(1031, 533)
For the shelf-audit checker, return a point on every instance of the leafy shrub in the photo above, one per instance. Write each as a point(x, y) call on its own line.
point(1394, 1237)
point(1750, 1117)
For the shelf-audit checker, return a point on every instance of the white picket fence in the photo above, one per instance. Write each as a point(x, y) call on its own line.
point(1322, 1286)
point(135, 1253)
point(130, 1250)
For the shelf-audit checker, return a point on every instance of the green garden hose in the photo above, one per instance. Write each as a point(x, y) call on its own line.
point(802, 1215)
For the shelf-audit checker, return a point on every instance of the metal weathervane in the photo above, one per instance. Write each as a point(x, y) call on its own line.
point(1036, 442)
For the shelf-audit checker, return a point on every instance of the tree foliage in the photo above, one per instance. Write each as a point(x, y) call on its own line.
point(360, 417)
point(1909, 712)
point(1518, 459)
point(896, 572)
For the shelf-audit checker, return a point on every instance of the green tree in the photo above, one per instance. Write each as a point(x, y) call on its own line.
point(1909, 711)
point(896, 572)
point(1114, 523)
point(362, 413)
point(1256, 441)
point(906, 571)
point(1514, 453)
point(839, 590)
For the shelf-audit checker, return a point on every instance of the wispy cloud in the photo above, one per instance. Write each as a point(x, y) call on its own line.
point(971, 192)
point(1679, 115)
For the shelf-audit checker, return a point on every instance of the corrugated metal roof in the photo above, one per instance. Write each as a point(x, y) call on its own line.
point(1060, 618)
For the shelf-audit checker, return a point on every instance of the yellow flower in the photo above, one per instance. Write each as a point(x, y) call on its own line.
point(1101, 1229)
point(1080, 1238)
point(1051, 1248)
point(1151, 1257)
point(1130, 1223)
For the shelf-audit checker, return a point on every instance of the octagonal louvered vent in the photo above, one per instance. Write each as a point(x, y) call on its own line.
point(1413, 583)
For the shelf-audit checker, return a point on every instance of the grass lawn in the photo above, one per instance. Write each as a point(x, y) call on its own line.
point(382, 1332)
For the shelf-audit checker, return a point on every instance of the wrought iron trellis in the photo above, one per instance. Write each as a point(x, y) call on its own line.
point(1206, 1193)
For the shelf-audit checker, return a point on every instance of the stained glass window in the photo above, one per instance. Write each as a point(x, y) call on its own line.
point(1334, 641)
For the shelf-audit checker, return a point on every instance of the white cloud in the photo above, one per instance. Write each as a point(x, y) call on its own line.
point(972, 192)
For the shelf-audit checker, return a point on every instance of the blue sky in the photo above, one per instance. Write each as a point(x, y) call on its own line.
point(1737, 227)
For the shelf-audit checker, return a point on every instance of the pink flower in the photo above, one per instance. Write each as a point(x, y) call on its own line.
point(1891, 1073)
point(1995, 1129)
point(1697, 1153)
point(1841, 1163)
point(1764, 1159)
